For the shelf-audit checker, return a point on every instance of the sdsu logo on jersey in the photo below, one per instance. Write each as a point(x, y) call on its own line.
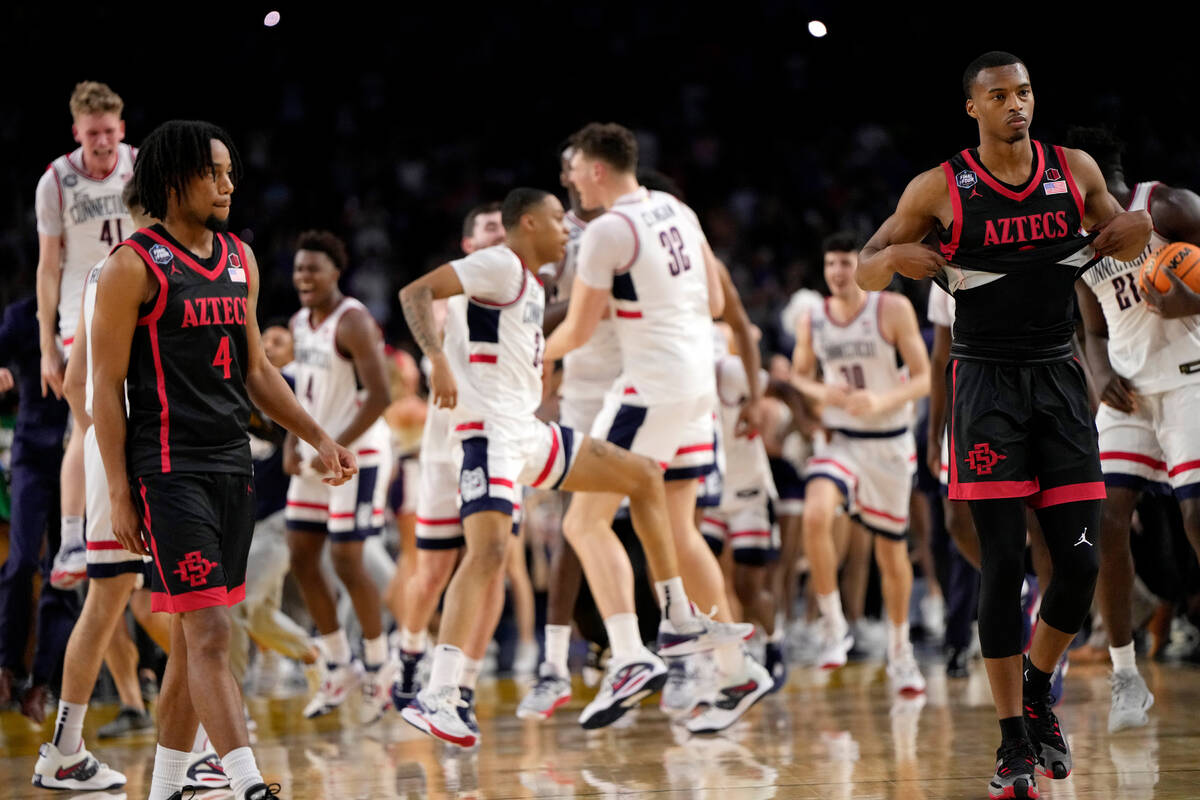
point(161, 254)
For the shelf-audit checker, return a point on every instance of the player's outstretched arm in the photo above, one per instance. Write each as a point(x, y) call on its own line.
point(895, 248)
point(750, 418)
point(270, 392)
point(124, 285)
point(416, 300)
point(1122, 234)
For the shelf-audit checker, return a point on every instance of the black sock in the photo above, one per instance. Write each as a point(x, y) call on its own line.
point(1013, 728)
point(1037, 683)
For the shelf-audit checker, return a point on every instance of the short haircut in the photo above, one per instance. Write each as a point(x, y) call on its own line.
point(278, 322)
point(469, 220)
point(994, 58)
point(655, 181)
point(173, 154)
point(840, 242)
point(91, 97)
point(613, 144)
point(517, 204)
point(1099, 143)
point(325, 242)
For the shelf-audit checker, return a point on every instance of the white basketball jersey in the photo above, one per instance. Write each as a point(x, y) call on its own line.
point(746, 463)
point(1156, 354)
point(89, 311)
point(495, 349)
point(588, 371)
point(326, 383)
point(660, 301)
point(856, 354)
point(93, 221)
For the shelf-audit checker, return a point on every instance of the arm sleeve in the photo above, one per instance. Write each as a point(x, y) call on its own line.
point(608, 245)
point(48, 203)
point(940, 311)
point(494, 275)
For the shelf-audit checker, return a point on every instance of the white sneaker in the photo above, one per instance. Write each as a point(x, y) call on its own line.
point(78, 772)
point(551, 691)
point(734, 699)
point(205, 772)
point(626, 683)
point(336, 685)
point(525, 661)
point(834, 644)
point(1131, 699)
point(436, 713)
point(691, 680)
point(905, 675)
point(70, 566)
point(933, 615)
point(377, 691)
point(709, 634)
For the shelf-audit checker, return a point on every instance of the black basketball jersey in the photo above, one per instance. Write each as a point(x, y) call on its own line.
point(1015, 252)
point(188, 406)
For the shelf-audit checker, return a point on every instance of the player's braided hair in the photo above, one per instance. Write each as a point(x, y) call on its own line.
point(173, 154)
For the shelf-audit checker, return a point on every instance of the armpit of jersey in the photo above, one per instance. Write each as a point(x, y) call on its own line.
point(967, 272)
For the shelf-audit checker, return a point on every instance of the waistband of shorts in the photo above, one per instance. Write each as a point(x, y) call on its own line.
point(1022, 357)
point(853, 434)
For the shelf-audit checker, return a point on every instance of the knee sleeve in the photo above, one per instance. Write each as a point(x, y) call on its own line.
point(1072, 537)
point(1001, 527)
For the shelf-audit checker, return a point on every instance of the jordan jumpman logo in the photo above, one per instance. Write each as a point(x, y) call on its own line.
point(1083, 538)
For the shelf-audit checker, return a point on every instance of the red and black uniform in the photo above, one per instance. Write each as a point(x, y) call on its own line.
point(1020, 422)
point(187, 449)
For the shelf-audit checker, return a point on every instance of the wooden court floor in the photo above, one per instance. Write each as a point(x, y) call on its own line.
point(825, 736)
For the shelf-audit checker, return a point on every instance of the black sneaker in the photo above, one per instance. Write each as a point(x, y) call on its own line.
point(406, 686)
point(958, 663)
point(1049, 741)
point(1014, 778)
point(263, 791)
point(466, 712)
point(129, 721)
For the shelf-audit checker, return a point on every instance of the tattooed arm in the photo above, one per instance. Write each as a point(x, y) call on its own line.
point(417, 301)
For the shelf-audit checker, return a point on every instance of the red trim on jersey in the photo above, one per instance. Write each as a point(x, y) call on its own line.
point(520, 294)
point(299, 504)
point(998, 187)
point(211, 274)
point(629, 314)
point(105, 546)
point(1066, 168)
point(501, 482)
point(718, 523)
point(953, 404)
point(160, 300)
point(58, 183)
point(740, 534)
point(482, 358)
point(877, 513)
point(1136, 457)
point(879, 318)
point(370, 451)
point(837, 464)
point(347, 515)
point(441, 521)
point(150, 531)
point(956, 224)
point(151, 322)
point(993, 490)
point(550, 459)
point(469, 426)
point(68, 342)
point(83, 174)
point(1184, 467)
point(637, 244)
point(693, 448)
point(192, 601)
point(1071, 493)
point(850, 321)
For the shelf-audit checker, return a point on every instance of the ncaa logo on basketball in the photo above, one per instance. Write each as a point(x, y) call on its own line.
point(966, 179)
point(161, 254)
point(473, 484)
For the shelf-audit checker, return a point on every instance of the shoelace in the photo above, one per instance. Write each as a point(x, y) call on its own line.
point(449, 695)
point(1014, 757)
point(1044, 721)
point(1122, 686)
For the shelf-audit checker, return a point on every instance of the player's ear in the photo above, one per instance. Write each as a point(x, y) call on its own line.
point(75, 133)
point(971, 108)
point(121, 129)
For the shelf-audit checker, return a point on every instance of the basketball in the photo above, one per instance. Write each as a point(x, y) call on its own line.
point(1179, 256)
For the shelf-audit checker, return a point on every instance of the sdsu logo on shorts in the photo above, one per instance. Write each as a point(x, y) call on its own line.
point(160, 254)
point(472, 485)
point(966, 179)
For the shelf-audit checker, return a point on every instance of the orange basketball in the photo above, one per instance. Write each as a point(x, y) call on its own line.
point(1179, 256)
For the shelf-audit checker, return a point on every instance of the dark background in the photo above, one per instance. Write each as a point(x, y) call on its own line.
point(386, 125)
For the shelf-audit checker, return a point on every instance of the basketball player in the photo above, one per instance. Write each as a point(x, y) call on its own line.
point(80, 217)
point(868, 461)
point(647, 256)
point(494, 361)
point(1148, 367)
point(1008, 215)
point(178, 302)
point(341, 380)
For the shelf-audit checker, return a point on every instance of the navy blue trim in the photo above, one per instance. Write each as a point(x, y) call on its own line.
point(684, 473)
point(895, 537)
point(306, 525)
point(716, 545)
point(1187, 492)
point(356, 535)
point(485, 503)
point(841, 484)
point(625, 425)
point(622, 287)
point(1122, 480)
point(708, 501)
point(451, 543)
point(483, 324)
point(568, 445)
point(755, 556)
point(112, 570)
point(870, 434)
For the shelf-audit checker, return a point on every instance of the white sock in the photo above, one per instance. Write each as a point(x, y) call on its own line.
point(72, 533)
point(68, 727)
point(624, 637)
point(831, 608)
point(375, 651)
point(897, 640)
point(200, 743)
point(242, 770)
point(469, 676)
point(411, 642)
point(336, 646)
point(1123, 659)
point(170, 768)
point(446, 669)
point(558, 643)
point(780, 626)
point(729, 658)
point(673, 601)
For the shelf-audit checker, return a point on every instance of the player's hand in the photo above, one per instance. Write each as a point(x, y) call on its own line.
point(1119, 394)
point(915, 261)
point(442, 385)
point(933, 456)
point(127, 523)
point(336, 462)
point(6, 380)
point(291, 458)
point(861, 403)
point(1124, 236)
point(52, 372)
point(751, 418)
point(1178, 301)
point(836, 394)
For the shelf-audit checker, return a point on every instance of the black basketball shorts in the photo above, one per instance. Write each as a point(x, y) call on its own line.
point(1022, 431)
point(198, 526)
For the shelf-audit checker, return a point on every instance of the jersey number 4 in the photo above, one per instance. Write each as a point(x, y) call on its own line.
point(673, 243)
point(107, 237)
point(222, 358)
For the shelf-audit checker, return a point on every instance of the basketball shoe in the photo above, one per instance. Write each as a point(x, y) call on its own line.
point(437, 714)
point(690, 682)
point(205, 772)
point(905, 675)
point(1049, 742)
point(466, 709)
point(407, 679)
point(70, 567)
point(776, 663)
point(1131, 699)
point(626, 682)
point(734, 698)
point(709, 634)
point(336, 684)
point(78, 772)
point(549, 693)
point(377, 691)
point(1014, 778)
point(834, 644)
